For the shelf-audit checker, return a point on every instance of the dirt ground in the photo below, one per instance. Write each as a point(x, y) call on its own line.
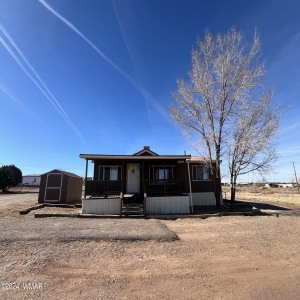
point(232, 257)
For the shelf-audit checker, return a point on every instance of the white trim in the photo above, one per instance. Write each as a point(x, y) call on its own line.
point(109, 166)
point(168, 205)
point(145, 150)
point(53, 188)
point(100, 206)
point(206, 198)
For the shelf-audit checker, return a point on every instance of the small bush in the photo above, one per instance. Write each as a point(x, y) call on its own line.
point(254, 189)
point(266, 191)
point(10, 176)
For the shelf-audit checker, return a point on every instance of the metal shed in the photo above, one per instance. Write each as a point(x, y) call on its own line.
point(60, 187)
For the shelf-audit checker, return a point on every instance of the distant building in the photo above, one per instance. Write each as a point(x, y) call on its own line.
point(31, 180)
point(279, 185)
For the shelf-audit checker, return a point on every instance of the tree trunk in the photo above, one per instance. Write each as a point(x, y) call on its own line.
point(217, 178)
point(217, 193)
point(232, 199)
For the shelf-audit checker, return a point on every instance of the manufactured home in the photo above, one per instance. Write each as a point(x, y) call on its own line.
point(146, 183)
point(31, 180)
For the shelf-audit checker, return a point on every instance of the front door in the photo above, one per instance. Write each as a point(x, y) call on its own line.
point(133, 178)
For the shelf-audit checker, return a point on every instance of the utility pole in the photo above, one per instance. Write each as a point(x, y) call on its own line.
point(296, 177)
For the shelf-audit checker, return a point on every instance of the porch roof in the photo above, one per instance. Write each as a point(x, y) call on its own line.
point(134, 157)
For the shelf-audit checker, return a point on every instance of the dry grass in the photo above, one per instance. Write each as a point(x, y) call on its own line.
point(262, 194)
point(266, 191)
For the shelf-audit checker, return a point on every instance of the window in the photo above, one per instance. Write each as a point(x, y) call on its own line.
point(109, 173)
point(159, 172)
point(200, 173)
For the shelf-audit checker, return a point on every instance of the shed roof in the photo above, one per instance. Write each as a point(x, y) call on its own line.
point(64, 172)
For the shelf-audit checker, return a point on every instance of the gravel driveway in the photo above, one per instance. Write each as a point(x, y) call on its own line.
point(66, 230)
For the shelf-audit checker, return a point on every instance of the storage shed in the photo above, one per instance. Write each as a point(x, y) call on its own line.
point(60, 187)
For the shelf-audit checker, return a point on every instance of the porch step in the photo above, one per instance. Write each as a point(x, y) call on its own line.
point(133, 209)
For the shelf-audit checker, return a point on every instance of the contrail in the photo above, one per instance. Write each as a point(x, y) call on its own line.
point(52, 99)
point(32, 69)
point(9, 94)
point(126, 42)
point(155, 104)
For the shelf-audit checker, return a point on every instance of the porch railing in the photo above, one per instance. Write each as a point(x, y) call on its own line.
point(164, 187)
point(102, 187)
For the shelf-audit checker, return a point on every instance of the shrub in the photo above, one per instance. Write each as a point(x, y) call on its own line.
point(9, 176)
point(266, 191)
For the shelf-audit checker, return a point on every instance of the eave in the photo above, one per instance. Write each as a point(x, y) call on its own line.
point(133, 157)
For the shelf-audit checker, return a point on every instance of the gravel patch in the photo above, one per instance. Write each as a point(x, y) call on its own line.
point(67, 230)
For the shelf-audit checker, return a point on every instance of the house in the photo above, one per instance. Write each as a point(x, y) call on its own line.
point(279, 185)
point(31, 180)
point(146, 183)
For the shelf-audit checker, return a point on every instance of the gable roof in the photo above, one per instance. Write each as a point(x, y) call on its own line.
point(64, 172)
point(145, 152)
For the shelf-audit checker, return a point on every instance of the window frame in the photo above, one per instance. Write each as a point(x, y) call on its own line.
point(151, 171)
point(195, 172)
point(109, 166)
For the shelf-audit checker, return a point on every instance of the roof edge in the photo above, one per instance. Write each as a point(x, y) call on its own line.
point(136, 157)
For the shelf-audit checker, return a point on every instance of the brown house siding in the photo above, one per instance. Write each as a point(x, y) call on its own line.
point(200, 186)
point(181, 172)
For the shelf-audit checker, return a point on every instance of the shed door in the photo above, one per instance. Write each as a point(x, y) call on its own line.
point(53, 187)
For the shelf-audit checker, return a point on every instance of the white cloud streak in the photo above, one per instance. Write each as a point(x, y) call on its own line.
point(127, 44)
point(18, 102)
point(152, 101)
point(289, 128)
point(289, 152)
point(38, 81)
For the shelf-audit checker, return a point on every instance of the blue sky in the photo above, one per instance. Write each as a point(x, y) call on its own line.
point(91, 76)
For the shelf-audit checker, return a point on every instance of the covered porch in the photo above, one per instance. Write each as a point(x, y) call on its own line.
point(137, 184)
point(145, 175)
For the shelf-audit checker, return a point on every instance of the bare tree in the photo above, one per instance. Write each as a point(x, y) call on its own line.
point(225, 73)
point(252, 144)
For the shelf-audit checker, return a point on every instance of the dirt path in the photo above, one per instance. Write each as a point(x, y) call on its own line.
point(216, 258)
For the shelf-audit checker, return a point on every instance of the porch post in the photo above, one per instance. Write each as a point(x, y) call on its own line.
point(191, 195)
point(123, 176)
point(143, 176)
point(85, 180)
point(165, 188)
